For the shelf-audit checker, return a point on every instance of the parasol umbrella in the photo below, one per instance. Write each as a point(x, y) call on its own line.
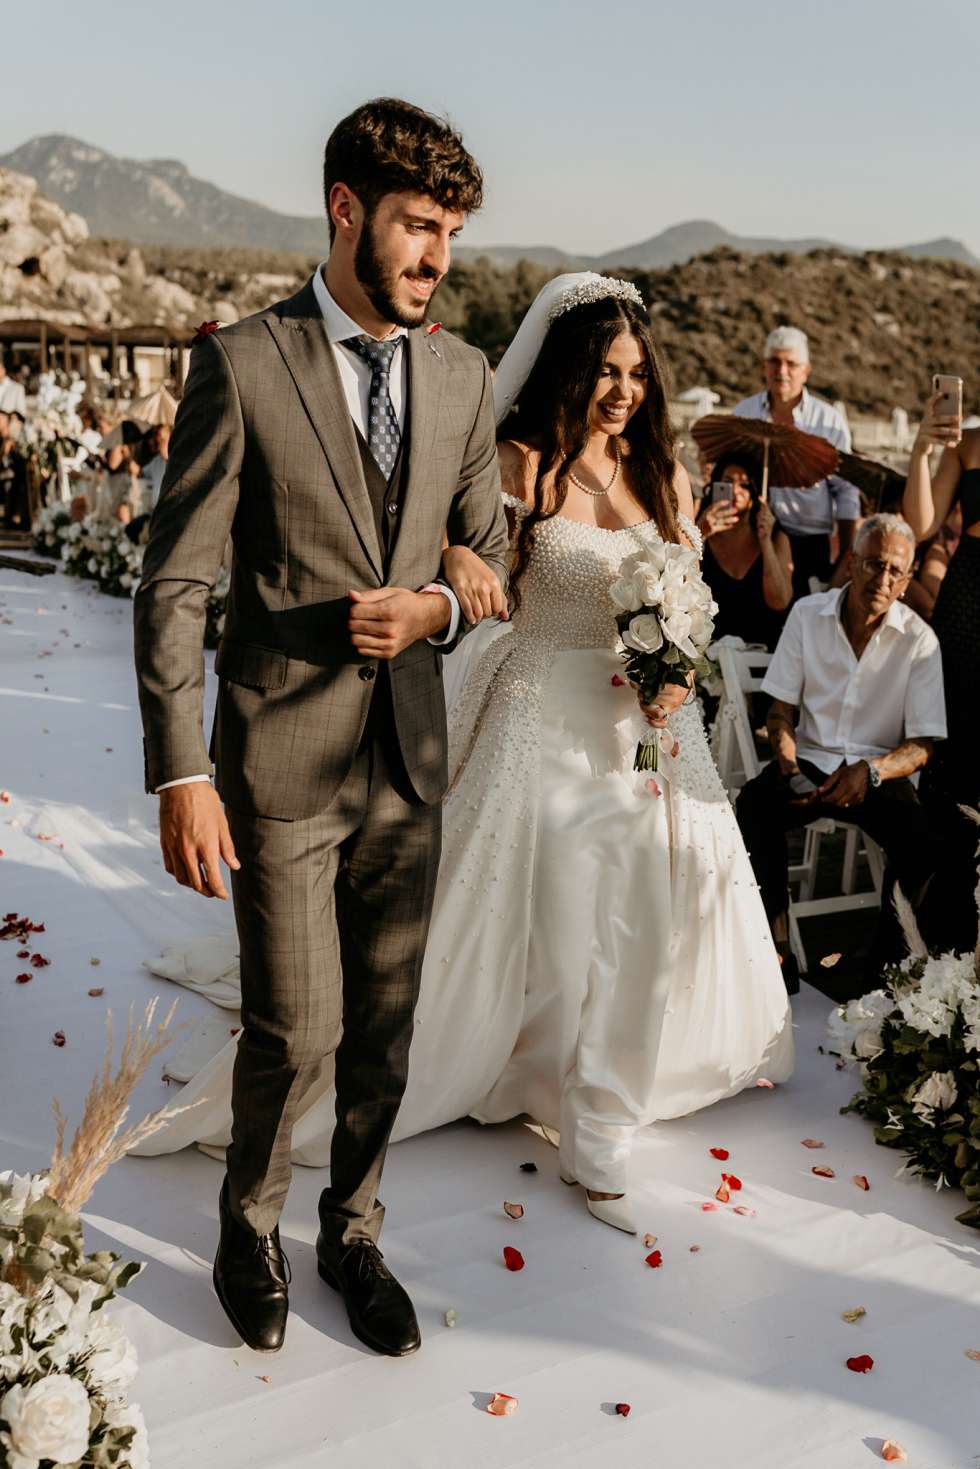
point(883, 485)
point(127, 431)
point(785, 455)
point(159, 408)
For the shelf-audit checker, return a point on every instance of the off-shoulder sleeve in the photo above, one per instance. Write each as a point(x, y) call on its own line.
point(691, 531)
point(519, 507)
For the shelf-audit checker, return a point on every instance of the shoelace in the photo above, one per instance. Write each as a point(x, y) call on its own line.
point(274, 1255)
point(371, 1261)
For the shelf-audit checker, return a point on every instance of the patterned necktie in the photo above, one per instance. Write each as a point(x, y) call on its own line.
point(384, 435)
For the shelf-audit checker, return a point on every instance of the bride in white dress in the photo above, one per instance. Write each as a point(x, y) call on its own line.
point(598, 955)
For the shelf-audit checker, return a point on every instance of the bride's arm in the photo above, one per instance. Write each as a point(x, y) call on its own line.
point(471, 579)
point(685, 502)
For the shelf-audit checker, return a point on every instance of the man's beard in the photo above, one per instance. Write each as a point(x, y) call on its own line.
point(378, 282)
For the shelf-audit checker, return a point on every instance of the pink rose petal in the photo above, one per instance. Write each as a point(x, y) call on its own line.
point(893, 1452)
point(812, 1142)
point(769, 1085)
point(502, 1405)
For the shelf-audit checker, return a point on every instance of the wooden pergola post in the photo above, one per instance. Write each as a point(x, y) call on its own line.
point(44, 346)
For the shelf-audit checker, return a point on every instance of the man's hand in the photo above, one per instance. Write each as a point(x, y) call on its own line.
point(194, 836)
point(848, 785)
point(476, 586)
point(386, 621)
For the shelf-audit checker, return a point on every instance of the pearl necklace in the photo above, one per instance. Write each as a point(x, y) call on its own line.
point(598, 494)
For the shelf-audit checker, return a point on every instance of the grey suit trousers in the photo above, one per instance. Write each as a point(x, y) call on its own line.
point(333, 914)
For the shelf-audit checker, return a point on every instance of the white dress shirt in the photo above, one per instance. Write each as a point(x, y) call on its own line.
point(810, 512)
point(355, 379)
point(857, 708)
point(13, 398)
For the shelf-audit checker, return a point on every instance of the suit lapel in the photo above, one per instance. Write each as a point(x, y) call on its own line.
point(298, 333)
point(426, 376)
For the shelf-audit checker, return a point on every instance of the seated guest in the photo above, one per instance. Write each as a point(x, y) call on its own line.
point(14, 497)
point(857, 690)
point(747, 561)
point(807, 516)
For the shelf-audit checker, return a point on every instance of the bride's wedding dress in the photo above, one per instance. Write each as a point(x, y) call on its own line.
point(598, 957)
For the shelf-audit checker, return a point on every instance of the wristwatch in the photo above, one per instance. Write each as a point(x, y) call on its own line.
point(874, 774)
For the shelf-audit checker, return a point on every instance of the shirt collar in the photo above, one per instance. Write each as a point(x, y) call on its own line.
point(799, 412)
point(834, 607)
point(340, 327)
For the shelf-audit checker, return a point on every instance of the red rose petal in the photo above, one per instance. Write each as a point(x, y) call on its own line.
point(823, 1171)
point(96, 993)
point(733, 1183)
point(513, 1259)
point(617, 682)
point(722, 1193)
point(893, 1453)
point(861, 1181)
point(655, 1259)
point(23, 979)
point(706, 1208)
point(812, 1142)
point(502, 1405)
point(864, 1363)
point(23, 953)
point(623, 1409)
point(39, 961)
point(58, 1039)
point(722, 1154)
point(514, 1211)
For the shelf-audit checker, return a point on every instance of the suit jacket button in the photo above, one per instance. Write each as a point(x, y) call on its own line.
point(366, 672)
point(392, 508)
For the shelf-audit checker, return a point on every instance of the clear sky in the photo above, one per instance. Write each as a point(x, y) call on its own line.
point(597, 124)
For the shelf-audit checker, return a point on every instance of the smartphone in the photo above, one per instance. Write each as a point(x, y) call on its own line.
point(722, 490)
point(951, 389)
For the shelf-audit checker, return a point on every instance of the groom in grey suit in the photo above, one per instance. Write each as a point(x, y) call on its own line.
point(336, 440)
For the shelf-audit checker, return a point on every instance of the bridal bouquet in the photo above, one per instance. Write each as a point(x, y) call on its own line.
point(664, 613)
point(916, 1044)
point(65, 1365)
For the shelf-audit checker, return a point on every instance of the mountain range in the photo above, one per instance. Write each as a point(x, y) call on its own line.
point(158, 201)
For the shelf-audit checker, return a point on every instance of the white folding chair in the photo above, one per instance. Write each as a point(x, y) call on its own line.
point(742, 671)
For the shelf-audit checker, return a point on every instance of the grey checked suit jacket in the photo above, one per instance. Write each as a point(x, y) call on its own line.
point(264, 450)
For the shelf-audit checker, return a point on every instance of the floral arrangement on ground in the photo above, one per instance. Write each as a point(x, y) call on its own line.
point(65, 1364)
point(916, 1043)
point(98, 548)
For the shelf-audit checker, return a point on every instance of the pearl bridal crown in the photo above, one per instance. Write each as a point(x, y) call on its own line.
point(589, 287)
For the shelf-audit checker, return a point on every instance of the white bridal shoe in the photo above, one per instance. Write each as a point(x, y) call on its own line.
point(616, 1212)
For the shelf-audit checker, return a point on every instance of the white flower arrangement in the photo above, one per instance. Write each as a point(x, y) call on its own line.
point(916, 1045)
point(99, 549)
point(665, 616)
point(65, 1365)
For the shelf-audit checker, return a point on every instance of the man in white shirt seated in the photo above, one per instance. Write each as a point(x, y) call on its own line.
point(857, 688)
point(807, 516)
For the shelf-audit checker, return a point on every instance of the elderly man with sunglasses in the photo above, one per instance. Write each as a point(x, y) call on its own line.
point(857, 688)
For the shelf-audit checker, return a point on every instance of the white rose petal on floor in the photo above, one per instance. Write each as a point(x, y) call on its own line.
point(733, 1351)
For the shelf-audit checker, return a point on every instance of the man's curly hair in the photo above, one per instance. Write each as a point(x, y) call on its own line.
point(388, 146)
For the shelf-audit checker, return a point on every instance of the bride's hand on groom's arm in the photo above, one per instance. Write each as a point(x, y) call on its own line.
point(476, 586)
point(195, 839)
point(385, 621)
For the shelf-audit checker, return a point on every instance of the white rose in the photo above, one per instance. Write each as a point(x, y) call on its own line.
point(867, 1044)
point(647, 580)
point(25, 1188)
point(126, 580)
point(938, 1090)
point(111, 1362)
point(130, 1415)
point(644, 633)
point(625, 594)
point(677, 627)
point(46, 1421)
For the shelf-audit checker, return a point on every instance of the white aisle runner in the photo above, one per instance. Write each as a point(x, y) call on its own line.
point(731, 1353)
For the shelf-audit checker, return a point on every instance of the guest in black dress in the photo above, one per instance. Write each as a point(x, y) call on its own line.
point(955, 778)
point(747, 558)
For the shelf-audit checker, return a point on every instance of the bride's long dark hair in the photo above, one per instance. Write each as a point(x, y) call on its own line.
point(552, 414)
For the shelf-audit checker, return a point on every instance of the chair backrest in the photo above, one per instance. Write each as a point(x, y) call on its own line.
point(742, 671)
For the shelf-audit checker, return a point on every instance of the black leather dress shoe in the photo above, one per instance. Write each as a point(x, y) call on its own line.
point(381, 1314)
point(251, 1276)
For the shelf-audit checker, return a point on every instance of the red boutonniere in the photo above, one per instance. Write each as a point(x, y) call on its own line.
point(430, 331)
point(205, 329)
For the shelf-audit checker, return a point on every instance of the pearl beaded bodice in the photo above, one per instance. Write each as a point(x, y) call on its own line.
point(565, 606)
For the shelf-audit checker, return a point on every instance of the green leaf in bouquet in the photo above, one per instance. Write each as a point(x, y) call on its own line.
point(952, 1139)
point(970, 1217)
point(888, 1137)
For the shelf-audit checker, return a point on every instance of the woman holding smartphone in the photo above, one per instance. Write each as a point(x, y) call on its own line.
point(747, 558)
point(953, 775)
